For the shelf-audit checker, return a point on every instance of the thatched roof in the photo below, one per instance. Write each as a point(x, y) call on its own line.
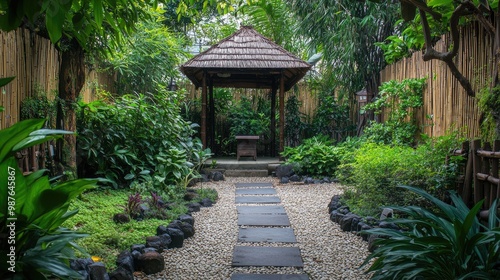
point(245, 59)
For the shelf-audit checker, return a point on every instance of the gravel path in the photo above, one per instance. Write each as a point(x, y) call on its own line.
point(328, 252)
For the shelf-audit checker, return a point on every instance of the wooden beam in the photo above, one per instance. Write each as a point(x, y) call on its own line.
point(273, 118)
point(203, 133)
point(282, 112)
point(212, 115)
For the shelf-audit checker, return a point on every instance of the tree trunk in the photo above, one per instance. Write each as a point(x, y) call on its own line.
point(71, 81)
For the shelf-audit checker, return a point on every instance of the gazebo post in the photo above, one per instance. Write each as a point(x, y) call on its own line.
point(273, 118)
point(212, 114)
point(282, 112)
point(203, 133)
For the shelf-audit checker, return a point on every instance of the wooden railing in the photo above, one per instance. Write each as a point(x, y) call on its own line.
point(37, 157)
point(479, 176)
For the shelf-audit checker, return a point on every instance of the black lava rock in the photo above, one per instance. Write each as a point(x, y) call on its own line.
point(80, 264)
point(193, 207)
point(97, 271)
point(160, 242)
point(121, 274)
point(177, 238)
point(217, 176)
point(284, 170)
point(295, 178)
point(126, 260)
point(137, 247)
point(187, 219)
point(151, 262)
point(206, 202)
point(121, 218)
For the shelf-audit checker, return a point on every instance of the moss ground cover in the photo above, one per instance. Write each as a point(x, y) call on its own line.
point(107, 238)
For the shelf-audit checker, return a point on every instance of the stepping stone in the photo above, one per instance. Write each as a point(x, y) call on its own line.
point(284, 235)
point(258, 199)
point(267, 256)
point(253, 185)
point(269, 277)
point(263, 220)
point(259, 191)
point(278, 209)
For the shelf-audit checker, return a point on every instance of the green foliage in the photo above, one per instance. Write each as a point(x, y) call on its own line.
point(294, 124)
point(149, 57)
point(93, 24)
point(42, 247)
point(275, 20)
point(400, 99)
point(207, 193)
point(244, 120)
point(316, 156)
point(139, 137)
point(39, 106)
point(339, 31)
point(373, 172)
point(396, 47)
point(108, 238)
point(450, 243)
point(331, 118)
point(412, 32)
point(489, 105)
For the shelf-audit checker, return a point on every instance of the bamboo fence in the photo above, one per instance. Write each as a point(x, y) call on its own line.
point(446, 104)
point(35, 64)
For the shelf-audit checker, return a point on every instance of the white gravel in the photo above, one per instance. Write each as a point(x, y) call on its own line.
point(327, 252)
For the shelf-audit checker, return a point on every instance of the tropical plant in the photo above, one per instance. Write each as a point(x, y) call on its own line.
point(345, 33)
point(331, 118)
point(34, 245)
point(149, 58)
point(450, 243)
point(244, 120)
point(316, 156)
point(78, 29)
point(400, 99)
point(139, 137)
point(294, 122)
point(275, 20)
point(373, 171)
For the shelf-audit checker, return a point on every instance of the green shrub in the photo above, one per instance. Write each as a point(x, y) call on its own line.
point(138, 137)
point(294, 124)
point(449, 243)
point(244, 120)
point(373, 172)
point(317, 156)
point(331, 118)
point(399, 100)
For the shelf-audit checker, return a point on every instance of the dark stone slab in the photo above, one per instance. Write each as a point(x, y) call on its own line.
point(269, 277)
point(257, 191)
point(284, 235)
point(278, 209)
point(258, 199)
point(267, 256)
point(263, 220)
point(253, 185)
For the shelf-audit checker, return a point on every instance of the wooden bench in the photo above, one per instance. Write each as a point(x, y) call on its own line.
point(247, 146)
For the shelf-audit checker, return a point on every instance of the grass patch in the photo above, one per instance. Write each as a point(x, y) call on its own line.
point(107, 239)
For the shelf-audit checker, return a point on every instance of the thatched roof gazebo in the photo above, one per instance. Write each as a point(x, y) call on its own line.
point(245, 59)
